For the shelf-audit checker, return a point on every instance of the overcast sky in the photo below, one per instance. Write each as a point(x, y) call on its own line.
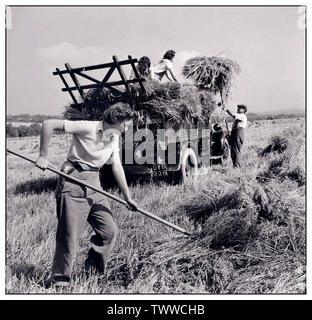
point(265, 41)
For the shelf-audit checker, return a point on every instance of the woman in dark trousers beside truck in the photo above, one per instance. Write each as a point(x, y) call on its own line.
point(237, 134)
point(94, 144)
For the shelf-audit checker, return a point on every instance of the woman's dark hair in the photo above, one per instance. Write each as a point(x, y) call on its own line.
point(242, 106)
point(169, 54)
point(145, 62)
point(118, 112)
point(143, 65)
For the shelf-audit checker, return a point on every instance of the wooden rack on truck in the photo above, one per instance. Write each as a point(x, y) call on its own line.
point(81, 72)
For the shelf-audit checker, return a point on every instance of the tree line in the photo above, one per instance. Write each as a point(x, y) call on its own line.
point(34, 118)
point(27, 130)
point(23, 131)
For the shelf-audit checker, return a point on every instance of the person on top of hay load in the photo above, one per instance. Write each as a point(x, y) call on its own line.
point(165, 67)
point(94, 144)
point(237, 133)
point(145, 69)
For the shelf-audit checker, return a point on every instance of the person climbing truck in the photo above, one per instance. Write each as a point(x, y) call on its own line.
point(94, 143)
point(165, 67)
point(237, 133)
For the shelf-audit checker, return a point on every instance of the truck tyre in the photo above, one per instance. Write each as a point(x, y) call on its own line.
point(188, 168)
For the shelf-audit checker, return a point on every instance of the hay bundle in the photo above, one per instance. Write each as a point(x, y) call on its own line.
point(215, 74)
point(277, 144)
point(285, 155)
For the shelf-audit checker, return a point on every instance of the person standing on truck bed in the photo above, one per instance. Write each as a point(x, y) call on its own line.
point(165, 67)
point(237, 134)
point(144, 68)
point(94, 143)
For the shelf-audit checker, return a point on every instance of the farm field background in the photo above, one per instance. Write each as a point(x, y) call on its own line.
point(248, 225)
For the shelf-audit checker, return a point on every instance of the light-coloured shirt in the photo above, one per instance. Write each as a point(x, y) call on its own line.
point(161, 68)
point(91, 145)
point(240, 121)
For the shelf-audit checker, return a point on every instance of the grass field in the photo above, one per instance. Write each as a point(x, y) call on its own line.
point(248, 225)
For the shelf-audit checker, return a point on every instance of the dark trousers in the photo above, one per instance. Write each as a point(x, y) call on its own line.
point(75, 206)
point(237, 140)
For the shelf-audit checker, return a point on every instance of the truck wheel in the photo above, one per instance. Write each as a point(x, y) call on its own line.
point(188, 169)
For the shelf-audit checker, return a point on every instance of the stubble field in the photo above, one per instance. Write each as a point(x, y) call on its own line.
point(248, 225)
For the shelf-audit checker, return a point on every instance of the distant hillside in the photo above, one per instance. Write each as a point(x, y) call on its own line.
point(271, 116)
point(284, 111)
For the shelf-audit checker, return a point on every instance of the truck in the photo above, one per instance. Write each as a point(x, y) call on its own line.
point(152, 149)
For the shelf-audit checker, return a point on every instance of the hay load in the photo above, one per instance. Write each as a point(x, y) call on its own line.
point(175, 103)
point(171, 102)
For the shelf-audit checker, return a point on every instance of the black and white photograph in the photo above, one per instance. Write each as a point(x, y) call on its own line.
point(155, 150)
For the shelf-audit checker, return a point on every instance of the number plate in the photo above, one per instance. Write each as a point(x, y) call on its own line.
point(159, 170)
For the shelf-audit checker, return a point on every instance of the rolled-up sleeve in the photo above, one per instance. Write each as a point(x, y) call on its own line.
point(78, 127)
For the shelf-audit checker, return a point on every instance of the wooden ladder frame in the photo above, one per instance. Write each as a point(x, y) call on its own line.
point(99, 84)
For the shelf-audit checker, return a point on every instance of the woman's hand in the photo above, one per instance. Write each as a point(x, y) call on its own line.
point(42, 162)
point(131, 204)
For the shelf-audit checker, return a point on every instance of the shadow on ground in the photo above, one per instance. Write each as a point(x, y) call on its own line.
point(48, 184)
point(36, 186)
